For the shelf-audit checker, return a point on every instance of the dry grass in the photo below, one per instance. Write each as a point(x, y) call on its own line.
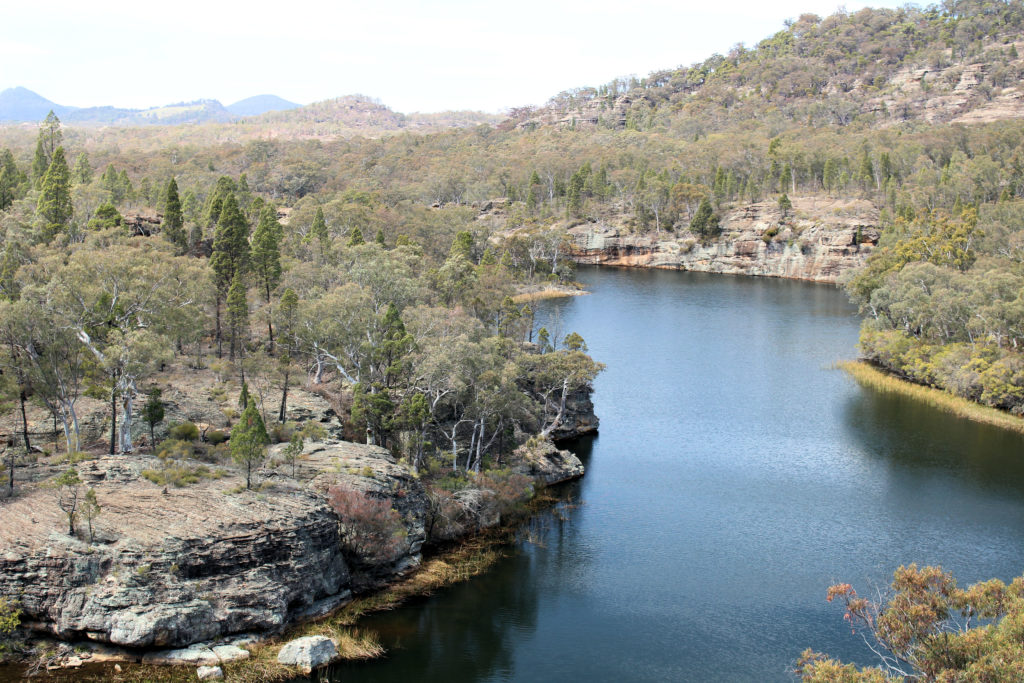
point(550, 292)
point(869, 376)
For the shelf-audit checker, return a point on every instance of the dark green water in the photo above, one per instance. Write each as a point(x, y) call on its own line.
point(735, 477)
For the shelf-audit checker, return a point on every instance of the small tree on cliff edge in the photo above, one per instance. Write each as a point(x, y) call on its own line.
point(705, 222)
point(249, 441)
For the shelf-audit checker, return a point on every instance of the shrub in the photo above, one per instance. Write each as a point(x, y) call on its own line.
point(10, 617)
point(175, 449)
point(371, 530)
point(216, 437)
point(184, 431)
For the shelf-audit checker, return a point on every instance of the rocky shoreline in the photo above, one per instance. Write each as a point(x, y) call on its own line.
point(818, 240)
point(173, 574)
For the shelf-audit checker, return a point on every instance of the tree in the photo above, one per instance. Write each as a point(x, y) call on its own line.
point(238, 315)
point(49, 139)
point(83, 169)
point(68, 489)
point(230, 253)
point(10, 178)
point(371, 530)
point(930, 629)
point(318, 230)
point(54, 205)
point(90, 509)
point(174, 221)
point(249, 441)
point(266, 259)
point(705, 222)
point(243, 396)
point(153, 413)
point(106, 217)
point(356, 238)
point(785, 205)
point(293, 451)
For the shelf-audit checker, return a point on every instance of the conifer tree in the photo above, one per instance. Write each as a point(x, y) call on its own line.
point(230, 253)
point(174, 221)
point(39, 164)
point(249, 441)
point(54, 207)
point(380, 238)
point(9, 179)
point(266, 252)
point(266, 259)
point(705, 222)
point(49, 139)
point(318, 231)
point(83, 170)
point(243, 396)
point(356, 238)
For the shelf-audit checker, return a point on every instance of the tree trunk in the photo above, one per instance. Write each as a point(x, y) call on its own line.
point(126, 419)
point(113, 421)
point(152, 438)
point(25, 422)
point(270, 334)
point(10, 473)
point(283, 412)
point(219, 335)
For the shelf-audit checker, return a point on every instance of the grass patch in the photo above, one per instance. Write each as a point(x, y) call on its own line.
point(546, 293)
point(870, 376)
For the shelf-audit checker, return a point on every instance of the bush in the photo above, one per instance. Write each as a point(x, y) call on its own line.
point(281, 432)
point(175, 449)
point(10, 618)
point(185, 431)
point(371, 530)
point(216, 437)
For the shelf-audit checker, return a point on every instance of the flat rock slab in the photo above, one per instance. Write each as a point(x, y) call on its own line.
point(210, 673)
point(308, 653)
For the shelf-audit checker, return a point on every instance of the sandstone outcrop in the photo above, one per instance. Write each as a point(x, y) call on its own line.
point(816, 240)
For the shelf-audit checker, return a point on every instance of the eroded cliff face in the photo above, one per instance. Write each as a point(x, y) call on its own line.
point(818, 240)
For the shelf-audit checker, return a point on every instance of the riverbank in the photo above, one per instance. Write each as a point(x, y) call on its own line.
point(461, 562)
point(867, 375)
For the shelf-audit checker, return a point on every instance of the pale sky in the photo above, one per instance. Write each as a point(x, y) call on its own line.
point(413, 56)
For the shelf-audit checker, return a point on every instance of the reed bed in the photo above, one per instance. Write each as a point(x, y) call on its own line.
point(870, 376)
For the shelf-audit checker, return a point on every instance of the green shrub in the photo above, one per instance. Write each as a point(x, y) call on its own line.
point(175, 449)
point(216, 437)
point(185, 431)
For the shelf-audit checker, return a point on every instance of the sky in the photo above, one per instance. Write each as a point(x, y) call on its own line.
point(411, 55)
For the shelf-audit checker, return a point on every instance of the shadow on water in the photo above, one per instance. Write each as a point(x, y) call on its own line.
point(915, 439)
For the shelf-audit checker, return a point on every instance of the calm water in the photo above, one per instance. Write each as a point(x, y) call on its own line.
point(735, 477)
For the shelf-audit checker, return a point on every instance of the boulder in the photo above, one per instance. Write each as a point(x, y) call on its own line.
point(210, 673)
point(308, 653)
point(543, 461)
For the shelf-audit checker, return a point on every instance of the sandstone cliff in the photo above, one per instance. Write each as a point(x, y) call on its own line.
point(818, 239)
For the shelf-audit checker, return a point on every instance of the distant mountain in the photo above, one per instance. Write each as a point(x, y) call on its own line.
point(260, 104)
point(21, 104)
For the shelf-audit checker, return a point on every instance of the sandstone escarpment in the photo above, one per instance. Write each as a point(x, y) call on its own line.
point(816, 240)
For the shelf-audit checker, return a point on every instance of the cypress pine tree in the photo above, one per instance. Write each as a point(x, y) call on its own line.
point(174, 221)
point(54, 207)
point(266, 259)
point(249, 441)
point(243, 396)
point(238, 314)
point(9, 179)
point(356, 238)
point(39, 164)
point(230, 253)
point(705, 222)
point(318, 230)
point(83, 170)
point(380, 238)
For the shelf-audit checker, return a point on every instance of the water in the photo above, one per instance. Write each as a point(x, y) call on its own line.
point(736, 476)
